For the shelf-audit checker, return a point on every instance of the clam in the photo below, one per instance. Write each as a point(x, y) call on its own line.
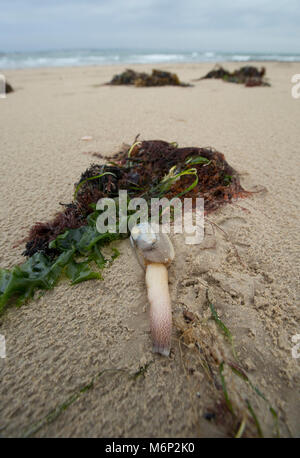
point(155, 252)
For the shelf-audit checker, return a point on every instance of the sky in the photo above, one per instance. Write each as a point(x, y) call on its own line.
point(186, 25)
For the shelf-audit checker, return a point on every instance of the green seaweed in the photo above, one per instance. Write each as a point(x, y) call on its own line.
point(141, 372)
point(167, 182)
point(89, 179)
point(197, 160)
point(257, 424)
point(57, 411)
point(222, 326)
point(227, 179)
point(224, 387)
point(238, 371)
point(40, 272)
point(70, 243)
point(80, 271)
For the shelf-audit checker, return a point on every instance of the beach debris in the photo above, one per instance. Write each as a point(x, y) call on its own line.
point(152, 168)
point(157, 78)
point(86, 138)
point(155, 252)
point(249, 76)
point(70, 242)
point(8, 88)
point(5, 87)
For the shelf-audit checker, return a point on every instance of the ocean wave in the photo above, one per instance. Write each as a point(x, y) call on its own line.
point(240, 58)
point(102, 57)
point(157, 58)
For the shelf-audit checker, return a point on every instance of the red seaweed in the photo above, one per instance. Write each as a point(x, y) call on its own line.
point(139, 170)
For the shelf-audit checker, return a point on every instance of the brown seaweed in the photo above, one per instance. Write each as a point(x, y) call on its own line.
point(248, 75)
point(157, 78)
point(8, 88)
point(139, 170)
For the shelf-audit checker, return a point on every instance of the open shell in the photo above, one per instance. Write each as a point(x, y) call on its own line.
point(151, 246)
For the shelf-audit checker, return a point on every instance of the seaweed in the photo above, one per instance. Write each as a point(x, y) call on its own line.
point(221, 325)
point(224, 388)
point(51, 416)
point(249, 76)
point(232, 409)
point(70, 243)
point(8, 88)
point(75, 249)
point(142, 79)
point(146, 169)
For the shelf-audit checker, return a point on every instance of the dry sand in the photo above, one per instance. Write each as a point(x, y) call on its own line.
point(99, 330)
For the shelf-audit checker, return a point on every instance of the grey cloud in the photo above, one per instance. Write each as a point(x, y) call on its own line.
point(250, 25)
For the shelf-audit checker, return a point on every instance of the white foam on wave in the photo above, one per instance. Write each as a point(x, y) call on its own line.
point(241, 58)
point(155, 58)
point(101, 57)
point(209, 54)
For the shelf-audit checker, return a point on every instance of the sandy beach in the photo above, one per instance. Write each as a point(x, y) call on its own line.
point(78, 359)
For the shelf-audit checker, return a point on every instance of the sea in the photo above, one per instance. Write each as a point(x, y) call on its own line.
point(16, 60)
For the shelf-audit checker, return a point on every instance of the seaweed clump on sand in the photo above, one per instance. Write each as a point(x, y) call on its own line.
point(70, 243)
point(8, 88)
point(249, 76)
point(157, 78)
point(5, 87)
point(147, 169)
